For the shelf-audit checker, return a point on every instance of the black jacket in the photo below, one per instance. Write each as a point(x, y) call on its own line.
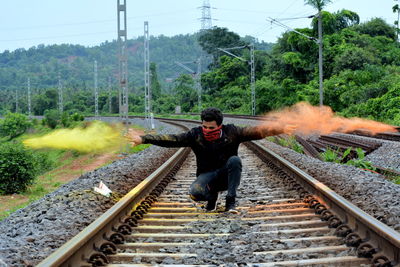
point(209, 155)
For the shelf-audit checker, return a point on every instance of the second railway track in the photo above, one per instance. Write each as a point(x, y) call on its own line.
point(282, 222)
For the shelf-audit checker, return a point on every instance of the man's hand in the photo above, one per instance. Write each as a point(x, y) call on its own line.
point(133, 138)
point(289, 129)
point(276, 128)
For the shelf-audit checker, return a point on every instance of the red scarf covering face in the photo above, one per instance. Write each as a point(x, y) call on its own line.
point(212, 134)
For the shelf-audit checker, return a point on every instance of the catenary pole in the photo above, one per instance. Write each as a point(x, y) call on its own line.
point(321, 75)
point(60, 95)
point(29, 97)
point(109, 94)
point(96, 92)
point(123, 61)
point(147, 80)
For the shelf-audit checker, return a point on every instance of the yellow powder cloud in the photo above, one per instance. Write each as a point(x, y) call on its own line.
point(97, 136)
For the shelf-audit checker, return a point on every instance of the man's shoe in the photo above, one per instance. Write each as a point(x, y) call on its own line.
point(230, 205)
point(212, 203)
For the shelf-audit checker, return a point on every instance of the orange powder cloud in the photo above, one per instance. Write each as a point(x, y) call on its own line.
point(310, 119)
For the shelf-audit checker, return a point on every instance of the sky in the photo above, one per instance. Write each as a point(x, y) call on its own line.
point(28, 23)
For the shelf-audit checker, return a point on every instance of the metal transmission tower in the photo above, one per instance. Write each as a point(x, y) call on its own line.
point(96, 92)
point(206, 15)
point(29, 97)
point(252, 71)
point(60, 95)
point(147, 83)
point(123, 61)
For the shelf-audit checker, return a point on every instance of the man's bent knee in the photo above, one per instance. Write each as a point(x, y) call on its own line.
point(234, 161)
point(197, 192)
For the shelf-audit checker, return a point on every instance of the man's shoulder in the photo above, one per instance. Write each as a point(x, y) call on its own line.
point(195, 130)
point(230, 126)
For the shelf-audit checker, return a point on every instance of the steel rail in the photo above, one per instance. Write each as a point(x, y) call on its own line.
point(79, 250)
point(348, 217)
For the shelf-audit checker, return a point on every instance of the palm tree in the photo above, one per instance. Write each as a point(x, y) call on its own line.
point(395, 9)
point(319, 5)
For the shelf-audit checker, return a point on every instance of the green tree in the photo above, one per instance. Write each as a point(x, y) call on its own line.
point(17, 168)
point(185, 92)
point(14, 124)
point(155, 84)
point(317, 4)
point(52, 118)
point(396, 9)
point(216, 37)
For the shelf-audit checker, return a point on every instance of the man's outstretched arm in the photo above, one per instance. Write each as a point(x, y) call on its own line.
point(165, 140)
point(270, 129)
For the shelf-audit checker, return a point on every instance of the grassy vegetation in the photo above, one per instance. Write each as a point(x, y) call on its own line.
point(59, 167)
point(289, 141)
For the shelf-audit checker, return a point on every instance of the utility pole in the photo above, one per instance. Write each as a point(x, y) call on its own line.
point(147, 83)
point(123, 61)
point(109, 94)
point(96, 93)
point(198, 83)
point(206, 15)
point(16, 100)
point(29, 97)
point(321, 75)
point(252, 80)
point(252, 71)
point(60, 95)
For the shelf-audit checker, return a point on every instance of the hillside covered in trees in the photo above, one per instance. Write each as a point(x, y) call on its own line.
point(361, 71)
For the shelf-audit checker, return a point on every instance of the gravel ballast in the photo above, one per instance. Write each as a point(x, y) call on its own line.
point(34, 232)
point(369, 191)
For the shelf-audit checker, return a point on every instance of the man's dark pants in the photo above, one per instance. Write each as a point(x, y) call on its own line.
point(207, 185)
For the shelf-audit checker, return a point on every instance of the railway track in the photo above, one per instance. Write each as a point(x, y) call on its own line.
point(286, 219)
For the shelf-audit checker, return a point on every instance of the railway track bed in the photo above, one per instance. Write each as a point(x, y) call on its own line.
point(273, 225)
point(279, 224)
point(379, 201)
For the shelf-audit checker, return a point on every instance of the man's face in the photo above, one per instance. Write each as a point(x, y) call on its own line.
point(209, 125)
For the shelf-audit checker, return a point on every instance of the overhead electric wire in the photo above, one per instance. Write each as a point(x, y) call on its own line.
point(94, 21)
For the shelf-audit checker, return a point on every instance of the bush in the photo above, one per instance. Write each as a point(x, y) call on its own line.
point(43, 162)
point(17, 168)
point(77, 117)
point(51, 118)
point(14, 124)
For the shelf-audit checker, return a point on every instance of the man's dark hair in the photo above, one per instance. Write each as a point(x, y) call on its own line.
point(212, 114)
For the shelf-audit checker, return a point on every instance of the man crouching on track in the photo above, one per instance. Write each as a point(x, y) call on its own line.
point(216, 148)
